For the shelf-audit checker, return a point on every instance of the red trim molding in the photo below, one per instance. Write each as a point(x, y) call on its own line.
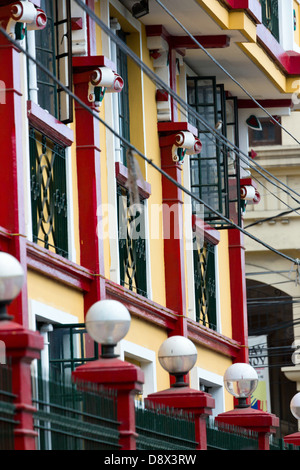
point(167, 128)
point(252, 7)
point(88, 63)
point(49, 125)
point(185, 42)
point(122, 178)
point(209, 233)
point(58, 268)
point(145, 309)
point(248, 104)
point(288, 61)
point(211, 339)
point(142, 307)
point(208, 42)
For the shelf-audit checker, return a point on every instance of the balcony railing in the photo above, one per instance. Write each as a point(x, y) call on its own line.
point(270, 16)
point(7, 409)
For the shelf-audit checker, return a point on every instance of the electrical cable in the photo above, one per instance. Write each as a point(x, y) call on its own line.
point(134, 149)
point(282, 214)
point(230, 76)
point(224, 70)
point(154, 77)
point(260, 286)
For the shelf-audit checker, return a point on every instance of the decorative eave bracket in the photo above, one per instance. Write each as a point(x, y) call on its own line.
point(18, 17)
point(249, 192)
point(99, 74)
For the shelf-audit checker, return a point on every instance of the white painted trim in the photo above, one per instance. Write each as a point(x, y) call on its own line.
point(213, 380)
point(191, 309)
point(126, 14)
point(217, 290)
point(48, 313)
point(146, 357)
point(70, 209)
point(113, 143)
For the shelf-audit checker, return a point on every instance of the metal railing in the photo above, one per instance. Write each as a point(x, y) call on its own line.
point(228, 437)
point(75, 417)
point(7, 409)
point(161, 428)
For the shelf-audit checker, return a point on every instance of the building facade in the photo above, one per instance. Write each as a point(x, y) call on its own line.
point(126, 171)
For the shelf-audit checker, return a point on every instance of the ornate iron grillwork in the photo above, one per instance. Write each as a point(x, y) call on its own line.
point(205, 284)
point(270, 16)
point(48, 193)
point(132, 245)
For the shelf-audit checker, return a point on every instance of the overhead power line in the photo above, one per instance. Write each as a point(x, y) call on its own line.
point(134, 149)
point(224, 70)
point(157, 80)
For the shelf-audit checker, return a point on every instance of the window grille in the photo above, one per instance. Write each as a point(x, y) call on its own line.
point(49, 205)
point(270, 16)
point(215, 171)
point(205, 284)
point(54, 51)
point(132, 244)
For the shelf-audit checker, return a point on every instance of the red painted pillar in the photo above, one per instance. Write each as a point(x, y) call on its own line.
point(200, 404)
point(22, 347)
point(238, 292)
point(88, 156)
point(127, 379)
point(12, 217)
point(173, 224)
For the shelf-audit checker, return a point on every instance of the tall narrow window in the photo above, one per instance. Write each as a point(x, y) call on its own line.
point(54, 51)
point(124, 123)
point(210, 178)
point(132, 245)
point(205, 284)
point(270, 16)
point(49, 204)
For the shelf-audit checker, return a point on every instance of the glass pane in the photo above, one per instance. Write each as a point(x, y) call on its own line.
point(45, 53)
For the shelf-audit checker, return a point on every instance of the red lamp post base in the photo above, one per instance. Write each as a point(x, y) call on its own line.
point(22, 347)
point(255, 420)
point(200, 404)
point(127, 379)
point(293, 439)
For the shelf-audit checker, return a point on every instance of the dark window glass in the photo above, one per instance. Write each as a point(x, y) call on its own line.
point(270, 134)
point(124, 123)
point(54, 51)
point(215, 171)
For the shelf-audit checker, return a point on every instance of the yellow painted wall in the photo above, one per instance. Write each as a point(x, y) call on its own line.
point(224, 284)
point(150, 336)
point(54, 294)
point(143, 135)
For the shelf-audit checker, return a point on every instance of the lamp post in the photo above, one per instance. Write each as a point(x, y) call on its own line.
point(21, 347)
point(295, 410)
point(241, 380)
point(178, 355)
point(11, 282)
point(107, 322)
